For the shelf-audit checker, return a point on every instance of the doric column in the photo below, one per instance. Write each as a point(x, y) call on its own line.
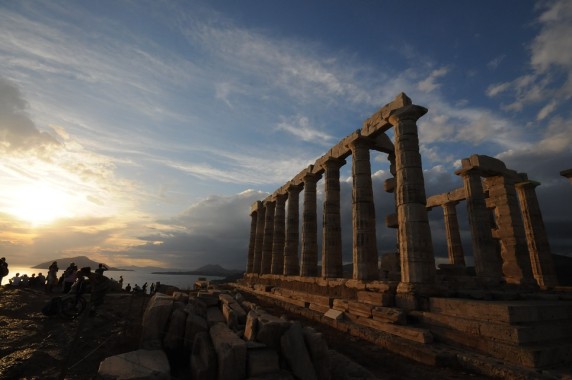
point(309, 262)
point(487, 261)
point(257, 261)
point(538, 247)
point(415, 244)
point(278, 241)
point(332, 266)
point(251, 243)
point(268, 237)
point(454, 245)
point(291, 262)
point(516, 266)
point(363, 213)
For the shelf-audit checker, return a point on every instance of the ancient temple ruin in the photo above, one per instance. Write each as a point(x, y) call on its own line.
point(510, 249)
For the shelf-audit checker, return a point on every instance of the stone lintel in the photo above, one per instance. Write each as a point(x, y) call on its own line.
point(451, 196)
point(379, 121)
point(488, 167)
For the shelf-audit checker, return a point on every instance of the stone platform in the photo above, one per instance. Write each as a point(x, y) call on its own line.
point(501, 338)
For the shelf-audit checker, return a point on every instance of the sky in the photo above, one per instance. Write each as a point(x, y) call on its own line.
point(140, 132)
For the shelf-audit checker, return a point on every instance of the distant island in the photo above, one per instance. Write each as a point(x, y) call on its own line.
point(207, 270)
point(80, 261)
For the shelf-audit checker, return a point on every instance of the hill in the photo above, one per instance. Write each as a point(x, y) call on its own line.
point(207, 270)
point(80, 261)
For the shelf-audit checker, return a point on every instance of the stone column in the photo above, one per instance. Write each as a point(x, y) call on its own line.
point(516, 266)
point(251, 243)
point(332, 265)
point(363, 213)
point(257, 261)
point(309, 262)
point(291, 262)
point(266, 262)
point(538, 247)
point(454, 245)
point(487, 261)
point(415, 244)
point(278, 241)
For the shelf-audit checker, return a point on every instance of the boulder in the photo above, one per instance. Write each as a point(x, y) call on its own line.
point(230, 352)
point(194, 325)
point(203, 358)
point(174, 338)
point(296, 354)
point(319, 353)
point(136, 365)
point(155, 321)
point(261, 361)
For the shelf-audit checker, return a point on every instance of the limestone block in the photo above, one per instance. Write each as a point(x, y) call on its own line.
point(214, 316)
point(203, 358)
point(230, 317)
point(136, 365)
point(194, 325)
point(270, 329)
point(340, 304)
point(389, 315)
point(359, 309)
point(239, 311)
point(209, 299)
point(174, 338)
point(226, 298)
point(262, 287)
point(319, 308)
point(407, 332)
point(181, 297)
point(356, 284)
point(251, 326)
point(296, 354)
point(375, 298)
point(262, 361)
point(334, 314)
point(230, 352)
point(318, 349)
point(155, 321)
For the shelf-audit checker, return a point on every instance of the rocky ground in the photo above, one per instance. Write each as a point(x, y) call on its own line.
point(34, 346)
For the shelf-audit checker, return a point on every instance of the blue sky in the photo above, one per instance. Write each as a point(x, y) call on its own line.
point(139, 132)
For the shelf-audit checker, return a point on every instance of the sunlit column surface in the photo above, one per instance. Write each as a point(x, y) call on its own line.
point(538, 246)
point(291, 262)
point(415, 244)
point(309, 262)
point(454, 245)
point(279, 231)
point(487, 261)
point(363, 213)
point(332, 266)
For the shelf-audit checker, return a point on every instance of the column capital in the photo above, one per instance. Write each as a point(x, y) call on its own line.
point(295, 187)
point(333, 161)
point(410, 112)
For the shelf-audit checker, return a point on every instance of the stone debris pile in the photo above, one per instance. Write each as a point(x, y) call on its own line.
point(215, 334)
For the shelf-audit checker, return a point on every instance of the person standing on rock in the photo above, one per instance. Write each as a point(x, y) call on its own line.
point(52, 277)
point(3, 269)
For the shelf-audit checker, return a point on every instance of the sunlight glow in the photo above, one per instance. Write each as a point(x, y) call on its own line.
point(40, 204)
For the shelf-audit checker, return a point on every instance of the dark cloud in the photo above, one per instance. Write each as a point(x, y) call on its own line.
point(17, 130)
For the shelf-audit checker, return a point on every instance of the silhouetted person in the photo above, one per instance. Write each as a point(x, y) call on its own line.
point(52, 277)
point(152, 288)
point(102, 268)
point(3, 269)
point(120, 282)
point(128, 288)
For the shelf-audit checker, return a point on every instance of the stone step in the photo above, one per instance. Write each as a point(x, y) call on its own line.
point(540, 332)
point(556, 353)
point(503, 311)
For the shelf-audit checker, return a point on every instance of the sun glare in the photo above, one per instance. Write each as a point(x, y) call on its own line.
point(40, 204)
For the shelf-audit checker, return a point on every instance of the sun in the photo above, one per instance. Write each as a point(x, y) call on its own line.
point(40, 203)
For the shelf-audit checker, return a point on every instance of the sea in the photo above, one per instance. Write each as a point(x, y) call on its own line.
point(132, 277)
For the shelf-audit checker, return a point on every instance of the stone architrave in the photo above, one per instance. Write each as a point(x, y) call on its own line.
point(291, 261)
point(332, 265)
point(363, 213)
point(415, 244)
point(516, 265)
point(266, 262)
point(257, 260)
point(309, 259)
point(454, 245)
point(252, 241)
point(538, 246)
point(279, 235)
point(487, 261)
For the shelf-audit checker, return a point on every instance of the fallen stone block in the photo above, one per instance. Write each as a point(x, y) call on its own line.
point(230, 352)
point(262, 361)
point(136, 365)
point(296, 354)
point(269, 329)
point(155, 321)
point(214, 316)
point(203, 358)
point(194, 325)
point(318, 349)
point(174, 338)
point(334, 314)
point(181, 297)
point(251, 326)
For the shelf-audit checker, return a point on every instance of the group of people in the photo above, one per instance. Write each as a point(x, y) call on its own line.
point(136, 289)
